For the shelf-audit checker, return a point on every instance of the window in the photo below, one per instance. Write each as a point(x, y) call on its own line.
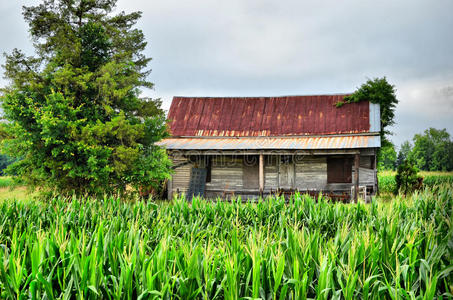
point(339, 170)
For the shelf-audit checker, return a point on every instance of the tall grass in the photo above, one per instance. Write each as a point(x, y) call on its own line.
point(85, 249)
point(387, 182)
point(6, 181)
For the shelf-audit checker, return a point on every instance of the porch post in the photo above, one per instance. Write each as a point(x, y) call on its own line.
point(261, 174)
point(356, 177)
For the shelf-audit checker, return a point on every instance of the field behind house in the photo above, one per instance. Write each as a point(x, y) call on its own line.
point(387, 183)
point(218, 250)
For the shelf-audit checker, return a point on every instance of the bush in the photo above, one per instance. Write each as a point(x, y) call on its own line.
point(406, 178)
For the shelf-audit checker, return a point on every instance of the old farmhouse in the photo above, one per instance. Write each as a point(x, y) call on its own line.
point(257, 146)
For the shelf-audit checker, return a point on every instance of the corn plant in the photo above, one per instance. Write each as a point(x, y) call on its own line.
point(111, 249)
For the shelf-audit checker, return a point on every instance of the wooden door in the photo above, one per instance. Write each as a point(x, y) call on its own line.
point(286, 175)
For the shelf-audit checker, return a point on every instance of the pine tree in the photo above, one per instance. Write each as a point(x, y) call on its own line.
point(76, 118)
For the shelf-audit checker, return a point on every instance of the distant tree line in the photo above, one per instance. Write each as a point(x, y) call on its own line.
point(431, 150)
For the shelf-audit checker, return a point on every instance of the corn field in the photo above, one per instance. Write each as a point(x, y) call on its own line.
point(387, 182)
point(110, 249)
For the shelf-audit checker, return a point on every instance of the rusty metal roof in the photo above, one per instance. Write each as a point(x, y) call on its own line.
point(268, 116)
point(273, 143)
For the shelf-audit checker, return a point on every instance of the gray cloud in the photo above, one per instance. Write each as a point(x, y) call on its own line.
point(263, 47)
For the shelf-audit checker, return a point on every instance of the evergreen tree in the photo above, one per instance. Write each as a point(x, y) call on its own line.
point(404, 153)
point(76, 118)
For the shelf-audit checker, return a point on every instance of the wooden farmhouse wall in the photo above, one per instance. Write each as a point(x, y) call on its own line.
point(232, 175)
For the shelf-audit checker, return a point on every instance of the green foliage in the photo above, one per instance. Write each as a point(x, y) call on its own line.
point(84, 249)
point(387, 183)
point(6, 181)
point(387, 157)
point(404, 152)
point(406, 178)
point(76, 118)
point(433, 150)
point(378, 91)
point(5, 161)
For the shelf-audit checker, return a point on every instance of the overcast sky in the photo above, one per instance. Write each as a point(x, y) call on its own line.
point(272, 48)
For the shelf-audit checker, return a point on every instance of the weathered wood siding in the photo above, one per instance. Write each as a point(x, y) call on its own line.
point(366, 176)
point(181, 175)
point(226, 174)
point(366, 162)
point(270, 175)
point(311, 173)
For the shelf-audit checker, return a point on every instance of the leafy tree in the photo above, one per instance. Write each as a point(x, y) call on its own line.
point(379, 91)
point(406, 178)
point(387, 157)
point(5, 161)
point(75, 113)
point(433, 150)
point(404, 152)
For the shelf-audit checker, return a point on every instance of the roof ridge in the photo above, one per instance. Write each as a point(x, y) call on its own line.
point(258, 97)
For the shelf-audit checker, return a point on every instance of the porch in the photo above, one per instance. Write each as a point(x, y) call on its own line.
point(251, 174)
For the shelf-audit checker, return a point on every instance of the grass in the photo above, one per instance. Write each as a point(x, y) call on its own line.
point(109, 249)
point(12, 190)
point(387, 183)
point(8, 193)
point(6, 181)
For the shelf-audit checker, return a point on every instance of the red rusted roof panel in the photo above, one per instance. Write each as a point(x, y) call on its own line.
point(267, 116)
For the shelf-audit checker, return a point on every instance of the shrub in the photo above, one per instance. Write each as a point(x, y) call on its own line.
point(406, 178)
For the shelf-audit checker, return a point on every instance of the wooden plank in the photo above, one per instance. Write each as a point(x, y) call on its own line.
point(226, 174)
point(275, 152)
point(366, 176)
point(356, 177)
point(311, 173)
point(181, 175)
point(286, 175)
point(270, 175)
point(366, 162)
